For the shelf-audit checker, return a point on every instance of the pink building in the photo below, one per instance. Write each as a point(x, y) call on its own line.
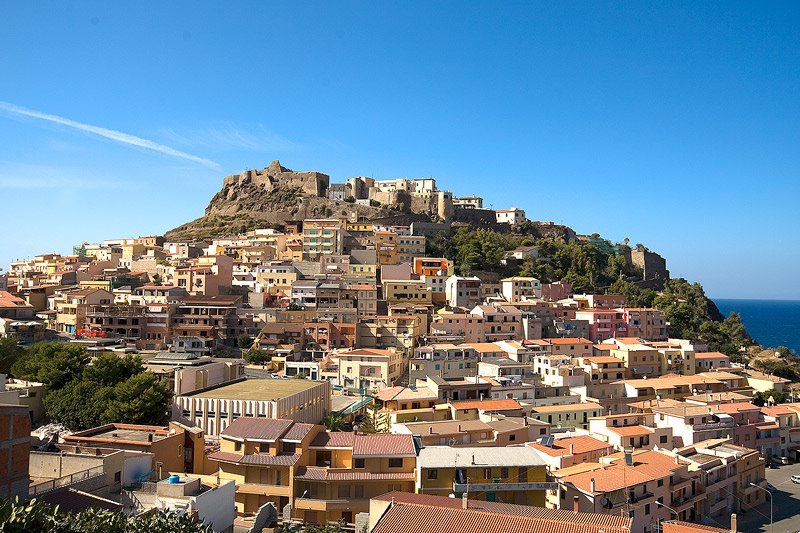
point(603, 323)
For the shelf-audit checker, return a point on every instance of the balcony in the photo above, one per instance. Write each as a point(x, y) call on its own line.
point(263, 489)
point(315, 504)
point(492, 487)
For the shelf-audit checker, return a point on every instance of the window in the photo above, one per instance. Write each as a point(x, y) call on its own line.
point(433, 474)
point(358, 463)
point(647, 509)
point(660, 483)
point(663, 439)
point(512, 438)
point(504, 473)
point(487, 473)
point(263, 447)
point(359, 491)
point(237, 446)
point(344, 491)
point(396, 463)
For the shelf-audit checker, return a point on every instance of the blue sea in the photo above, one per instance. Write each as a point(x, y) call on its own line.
point(771, 323)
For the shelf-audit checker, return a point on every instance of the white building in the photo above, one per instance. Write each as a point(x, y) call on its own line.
point(511, 216)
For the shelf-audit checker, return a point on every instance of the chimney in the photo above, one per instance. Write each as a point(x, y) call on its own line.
point(591, 484)
point(464, 501)
point(733, 523)
point(575, 504)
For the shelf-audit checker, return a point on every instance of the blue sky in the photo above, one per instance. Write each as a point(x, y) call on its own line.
point(673, 124)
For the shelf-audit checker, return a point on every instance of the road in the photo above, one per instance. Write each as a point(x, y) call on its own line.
point(786, 504)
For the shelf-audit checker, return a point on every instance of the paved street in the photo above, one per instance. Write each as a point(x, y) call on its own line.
point(786, 504)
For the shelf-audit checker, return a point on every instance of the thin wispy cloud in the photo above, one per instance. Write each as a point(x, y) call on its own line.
point(31, 177)
point(257, 139)
point(118, 136)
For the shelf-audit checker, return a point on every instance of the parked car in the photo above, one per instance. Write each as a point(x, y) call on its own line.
point(796, 478)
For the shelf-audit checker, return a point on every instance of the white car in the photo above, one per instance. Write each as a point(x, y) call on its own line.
point(796, 479)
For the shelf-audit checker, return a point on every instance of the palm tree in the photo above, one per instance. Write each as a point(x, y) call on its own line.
point(333, 422)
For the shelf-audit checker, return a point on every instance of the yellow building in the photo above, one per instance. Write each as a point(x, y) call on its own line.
point(567, 415)
point(325, 476)
point(505, 474)
point(413, 291)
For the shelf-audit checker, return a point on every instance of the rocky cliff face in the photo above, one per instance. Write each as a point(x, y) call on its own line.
point(262, 198)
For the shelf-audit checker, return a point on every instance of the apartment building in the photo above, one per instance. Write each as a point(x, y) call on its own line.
point(385, 332)
point(646, 323)
point(457, 328)
point(631, 430)
point(215, 318)
point(71, 307)
point(603, 323)
point(506, 474)
point(368, 368)
point(321, 237)
point(18, 319)
point(444, 360)
point(500, 322)
point(612, 487)
point(323, 476)
point(461, 291)
point(520, 288)
point(412, 291)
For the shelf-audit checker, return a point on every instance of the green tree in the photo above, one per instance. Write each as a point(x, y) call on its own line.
point(53, 363)
point(141, 399)
point(10, 353)
point(374, 421)
point(255, 356)
point(110, 369)
point(79, 405)
point(244, 341)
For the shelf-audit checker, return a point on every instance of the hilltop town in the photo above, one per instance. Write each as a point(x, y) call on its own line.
point(299, 358)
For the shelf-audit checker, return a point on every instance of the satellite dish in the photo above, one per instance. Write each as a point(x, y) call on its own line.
point(451, 495)
point(605, 502)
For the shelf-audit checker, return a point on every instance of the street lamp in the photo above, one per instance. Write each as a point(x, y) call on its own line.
point(770, 502)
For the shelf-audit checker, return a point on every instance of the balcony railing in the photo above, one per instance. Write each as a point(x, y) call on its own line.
point(490, 487)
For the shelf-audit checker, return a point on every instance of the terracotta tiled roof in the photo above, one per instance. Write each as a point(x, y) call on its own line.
point(226, 457)
point(333, 439)
point(579, 340)
point(578, 445)
point(257, 428)
point(487, 405)
point(402, 518)
point(260, 459)
point(270, 460)
point(710, 355)
point(630, 431)
point(324, 474)
point(383, 446)
point(648, 466)
point(298, 432)
point(506, 508)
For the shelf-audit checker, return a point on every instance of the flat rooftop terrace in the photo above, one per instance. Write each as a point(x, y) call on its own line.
point(258, 389)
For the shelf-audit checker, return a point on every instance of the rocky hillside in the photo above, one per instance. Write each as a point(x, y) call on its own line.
point(268, 197)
